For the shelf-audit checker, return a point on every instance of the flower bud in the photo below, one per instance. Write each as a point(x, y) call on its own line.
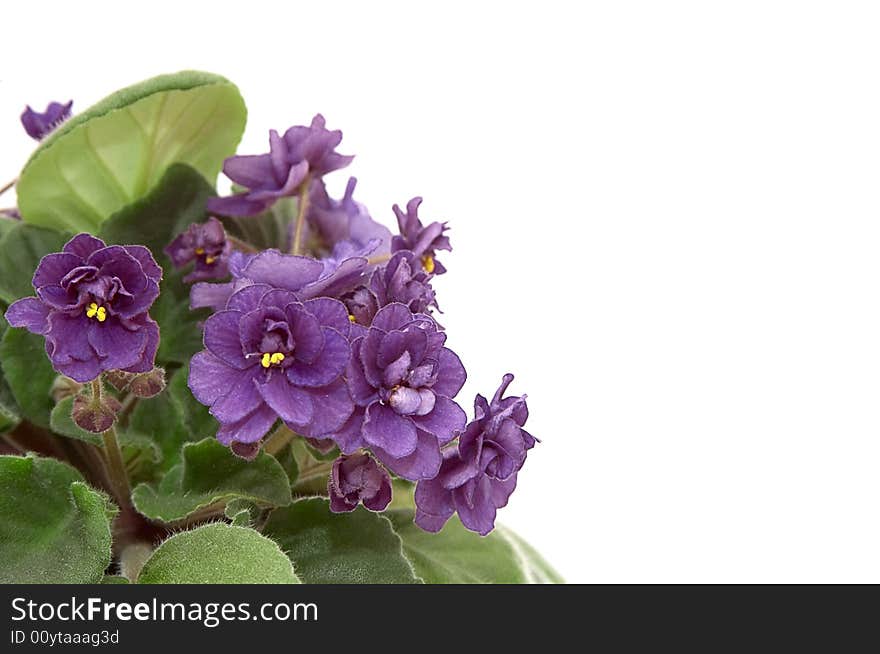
point(148, 384)
point(95, 415)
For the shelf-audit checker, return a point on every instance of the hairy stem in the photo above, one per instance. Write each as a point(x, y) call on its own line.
point(276, 442)
point(116, 467)
point(296, 248)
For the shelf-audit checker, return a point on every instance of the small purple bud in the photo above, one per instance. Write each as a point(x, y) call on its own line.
point(148, 384)
point(95, 416)
point(358, 478)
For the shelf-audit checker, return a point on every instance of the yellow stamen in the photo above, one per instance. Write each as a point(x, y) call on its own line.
point(428, 263)
point(271, 359)
point(210, 260)
point(94, 311)
point(351, 318)
point(200, 251)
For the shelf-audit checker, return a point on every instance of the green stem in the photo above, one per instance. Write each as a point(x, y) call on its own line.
point(116, 467)
point(296, 248)
point(244, 246)
point(8, 186)
point(276, 442)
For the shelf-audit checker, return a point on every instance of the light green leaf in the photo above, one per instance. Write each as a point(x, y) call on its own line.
point(458, 556)
point(29, 373)
point(21, 249)
point(114, 580)
point(210, 474)
point(533, 565)
point(114, 153)
point(54, 528)
point(218, 554)
point(339, 548)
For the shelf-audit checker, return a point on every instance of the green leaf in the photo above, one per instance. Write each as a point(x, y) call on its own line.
point(533, 565)
point(195, 414)
point(9, 412)
point(21, 249)
point(218, 554)
point(114, 153)
point(29, 373)
point(61, 423)
point(211, 474)
point(54, 528)
point(176, 202)
point(344, 548)
point(458, 556)
point(113, 580)
point(178, 324)
point(269, 229)
point(161, 419)
point(242, 513)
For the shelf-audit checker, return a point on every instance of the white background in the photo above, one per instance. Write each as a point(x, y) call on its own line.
point(665, 222)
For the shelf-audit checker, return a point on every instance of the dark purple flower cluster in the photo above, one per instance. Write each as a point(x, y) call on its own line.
point(39, 125)
point(91, 305)
point(477, 477)
point(339, 344)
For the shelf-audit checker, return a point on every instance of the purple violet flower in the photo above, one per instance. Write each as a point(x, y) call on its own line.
point(39, 125)
point(91, 305)
point(420, 240)
point(343, 227)
point(306, 277)
point(402, 279)
point(477, 478)
point(303, 153)
point(206, 244)
point(270, 356)
point(358, 478)
point(402, 381)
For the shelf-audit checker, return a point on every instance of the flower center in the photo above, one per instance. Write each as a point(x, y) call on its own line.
point(97, 312)
point(271, 359)
point(428, 263)
point(209, 259)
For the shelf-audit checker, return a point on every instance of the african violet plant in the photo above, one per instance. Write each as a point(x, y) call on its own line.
point(249, 388)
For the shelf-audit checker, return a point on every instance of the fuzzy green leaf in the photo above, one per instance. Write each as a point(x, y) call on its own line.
point(29, 374)
point(178, 200)
point(162, 419)
point(21, 249)
point(54, 528)
point(114, 153)
point(339, 548)
point(458, 556)
point(218, 554)
point(211, 474)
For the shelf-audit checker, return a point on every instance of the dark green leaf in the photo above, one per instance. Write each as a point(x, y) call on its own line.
point(54, 528)
point(210, 474)
point(114, 153)
point(195, 414)
point(339, 548)
point(28, 373)
point(181, 336)
point(161, 419)
point(218, 554)
point(21, 249)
